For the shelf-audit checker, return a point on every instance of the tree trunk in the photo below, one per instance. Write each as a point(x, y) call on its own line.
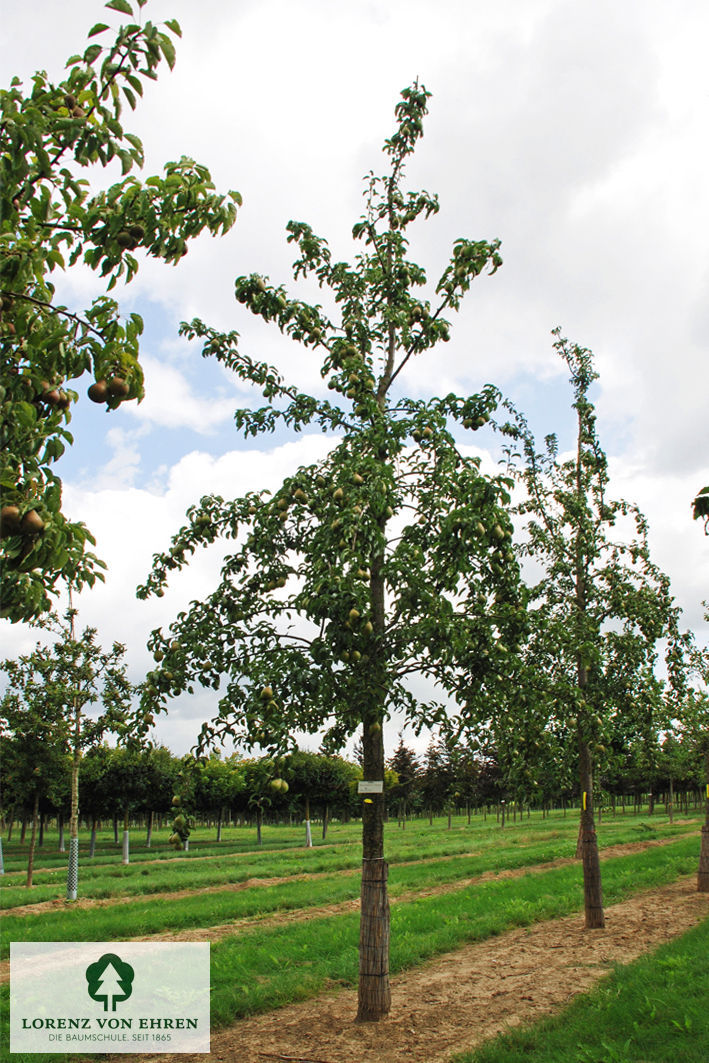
point(259, 819)
point(326, 812)
point(72, 873)
point(33, 838)
point(703, 874)
point(592, 892)
point(671, 802)
point(374, 993)
point(149, 832)
point(60, 824)
point(219, 823)
point(92, 847)
point(126, 839)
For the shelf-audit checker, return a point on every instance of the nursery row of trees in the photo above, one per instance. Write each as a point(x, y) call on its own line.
point(132, 784)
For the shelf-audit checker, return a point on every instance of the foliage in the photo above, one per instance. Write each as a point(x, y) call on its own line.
point(386, 559)
point(50, 221)
point(46, 688)
point(599, 613)
point(700, 508)
point(35, 738)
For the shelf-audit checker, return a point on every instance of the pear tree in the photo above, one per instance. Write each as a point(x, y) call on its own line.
point(388, 560)
point(60, 682)
point(599, 614)
point(52, 134)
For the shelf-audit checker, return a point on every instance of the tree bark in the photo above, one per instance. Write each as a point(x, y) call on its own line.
point(33, 838)
point(671, 801)
point(592, 891)
point(72, 874)
point(374, 995)
point(149, 832)
point(703, 873)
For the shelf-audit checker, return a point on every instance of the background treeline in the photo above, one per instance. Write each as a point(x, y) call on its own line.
point(137, 786)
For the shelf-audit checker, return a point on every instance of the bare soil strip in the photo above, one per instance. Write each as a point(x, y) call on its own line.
point(458, 1000)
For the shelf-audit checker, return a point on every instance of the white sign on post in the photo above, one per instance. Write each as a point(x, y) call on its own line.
point(375, 787)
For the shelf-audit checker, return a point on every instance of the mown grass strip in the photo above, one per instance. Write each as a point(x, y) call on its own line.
point(401, 844)
point(136, 880)
point(134, 919)
point(654, 1010)
point(260, 970)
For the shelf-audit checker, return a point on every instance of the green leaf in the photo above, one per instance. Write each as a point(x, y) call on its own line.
point(92, 53)
point(174, 25)
point(98, 28)
point(120, 5)
point(168, 50)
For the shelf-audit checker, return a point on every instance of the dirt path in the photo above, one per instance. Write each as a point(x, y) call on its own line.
point(456, 1001)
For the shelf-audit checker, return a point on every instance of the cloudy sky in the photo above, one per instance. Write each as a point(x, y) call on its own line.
point(573, 130)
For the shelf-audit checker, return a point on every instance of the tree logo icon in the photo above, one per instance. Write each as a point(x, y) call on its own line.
point(110, 980)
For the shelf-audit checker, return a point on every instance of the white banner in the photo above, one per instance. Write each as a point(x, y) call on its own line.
point(108, 996)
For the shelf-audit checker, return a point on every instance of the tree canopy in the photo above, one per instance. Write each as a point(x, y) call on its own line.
point(51, 220)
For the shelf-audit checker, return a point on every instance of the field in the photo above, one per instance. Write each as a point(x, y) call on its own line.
point(469, 905)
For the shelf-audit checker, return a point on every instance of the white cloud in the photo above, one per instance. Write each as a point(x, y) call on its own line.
point(171, 401)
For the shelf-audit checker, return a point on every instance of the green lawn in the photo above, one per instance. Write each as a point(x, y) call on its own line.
point(261, 969)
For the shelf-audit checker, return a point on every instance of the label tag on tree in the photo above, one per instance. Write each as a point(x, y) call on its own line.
point(584, 800)
point(374, 787)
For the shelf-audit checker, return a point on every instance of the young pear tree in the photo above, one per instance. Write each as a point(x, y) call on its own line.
point(601, 609)
point(34, 744)
point(385, 560)
point(59, 682)
point(51, 137)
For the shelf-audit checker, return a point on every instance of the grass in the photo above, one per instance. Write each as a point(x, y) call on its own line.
point(653, 1010)
point(258, 970)
point(555, 838)
point(210, 908)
